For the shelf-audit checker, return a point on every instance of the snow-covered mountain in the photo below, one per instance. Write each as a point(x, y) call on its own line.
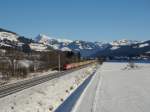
point(114, 45)
point(9, 39)
point(41, 38)
point(57, 44)
point(8, 35)
point(86, 49)
point(128, 50)
point(123, 42)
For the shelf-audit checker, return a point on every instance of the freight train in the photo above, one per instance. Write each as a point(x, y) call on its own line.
point(78, 64)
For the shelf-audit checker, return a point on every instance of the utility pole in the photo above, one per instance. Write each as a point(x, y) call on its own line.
point(59, 63)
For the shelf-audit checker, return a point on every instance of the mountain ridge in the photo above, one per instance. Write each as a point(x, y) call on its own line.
point(43, 42)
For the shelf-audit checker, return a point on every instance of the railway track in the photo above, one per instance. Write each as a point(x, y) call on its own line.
point(6, 90)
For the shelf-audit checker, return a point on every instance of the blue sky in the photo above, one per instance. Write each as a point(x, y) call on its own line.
point(91, 20)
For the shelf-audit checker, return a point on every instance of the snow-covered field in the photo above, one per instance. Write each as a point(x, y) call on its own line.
point(117, 88)
point(47, 96)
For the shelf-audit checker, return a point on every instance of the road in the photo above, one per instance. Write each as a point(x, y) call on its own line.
point(16, 87)
point(113, 89)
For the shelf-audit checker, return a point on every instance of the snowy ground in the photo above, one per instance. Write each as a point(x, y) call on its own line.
point(45, 97)
point(117, 88)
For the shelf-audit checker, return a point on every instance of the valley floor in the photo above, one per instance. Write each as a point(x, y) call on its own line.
point(117, 88)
